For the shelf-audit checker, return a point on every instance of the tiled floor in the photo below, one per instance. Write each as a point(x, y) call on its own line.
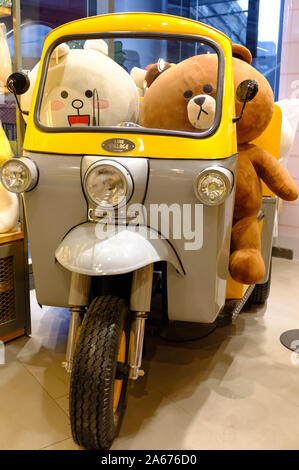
point(235, 389)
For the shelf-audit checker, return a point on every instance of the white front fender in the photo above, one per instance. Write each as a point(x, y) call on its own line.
point(94, 250)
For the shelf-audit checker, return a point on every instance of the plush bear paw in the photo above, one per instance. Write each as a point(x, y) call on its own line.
point(247, 266)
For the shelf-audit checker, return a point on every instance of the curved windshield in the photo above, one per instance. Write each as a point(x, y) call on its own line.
point(150, 84)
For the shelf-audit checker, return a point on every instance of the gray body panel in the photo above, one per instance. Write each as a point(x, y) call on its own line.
point(268, 209)
point(52, 208)
point(200, 294)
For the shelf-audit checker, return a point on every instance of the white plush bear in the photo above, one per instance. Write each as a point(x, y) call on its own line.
point(290, 118)
point(85, 87)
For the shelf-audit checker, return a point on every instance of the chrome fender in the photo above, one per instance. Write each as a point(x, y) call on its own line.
point(98, 250)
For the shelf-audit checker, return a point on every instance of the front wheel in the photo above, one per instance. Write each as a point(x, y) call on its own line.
point(99, 373)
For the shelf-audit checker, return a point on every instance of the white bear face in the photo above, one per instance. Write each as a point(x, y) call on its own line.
point(84, 87)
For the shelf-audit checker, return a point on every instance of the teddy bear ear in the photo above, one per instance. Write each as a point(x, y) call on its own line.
point(241, 52)
point(154, 71)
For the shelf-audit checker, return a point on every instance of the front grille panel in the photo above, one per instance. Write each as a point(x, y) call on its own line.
point(7, 290)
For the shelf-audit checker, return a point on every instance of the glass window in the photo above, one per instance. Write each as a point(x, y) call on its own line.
point(99, 83)
point(256, 24)
point(38, 18)
point(7, 104)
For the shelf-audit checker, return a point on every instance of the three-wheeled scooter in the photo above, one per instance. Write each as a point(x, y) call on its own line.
point(106, 200)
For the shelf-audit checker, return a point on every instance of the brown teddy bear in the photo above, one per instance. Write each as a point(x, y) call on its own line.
point(189, 88)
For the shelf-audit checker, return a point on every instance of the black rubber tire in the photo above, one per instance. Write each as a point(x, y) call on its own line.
point(261, 292)
point(94, 424)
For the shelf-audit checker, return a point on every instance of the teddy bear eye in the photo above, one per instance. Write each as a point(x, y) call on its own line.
point(64, 94)
point(88, 93)
point(207, 89)
point(188, 94)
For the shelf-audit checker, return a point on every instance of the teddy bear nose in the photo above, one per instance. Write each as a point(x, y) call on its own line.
point(77, 104)
point(200, 100)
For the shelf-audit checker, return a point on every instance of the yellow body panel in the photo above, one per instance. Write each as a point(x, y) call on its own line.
point(269, 141)
point(219, 145)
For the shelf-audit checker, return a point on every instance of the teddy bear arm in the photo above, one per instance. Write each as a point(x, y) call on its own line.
point(273, 174)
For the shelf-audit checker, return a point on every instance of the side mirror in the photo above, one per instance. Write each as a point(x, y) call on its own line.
point(246, 91)
point(18, 83)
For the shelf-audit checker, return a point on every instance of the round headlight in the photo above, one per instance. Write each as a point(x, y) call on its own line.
point(19, 174)
point(213, 185)
point(108, 184)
